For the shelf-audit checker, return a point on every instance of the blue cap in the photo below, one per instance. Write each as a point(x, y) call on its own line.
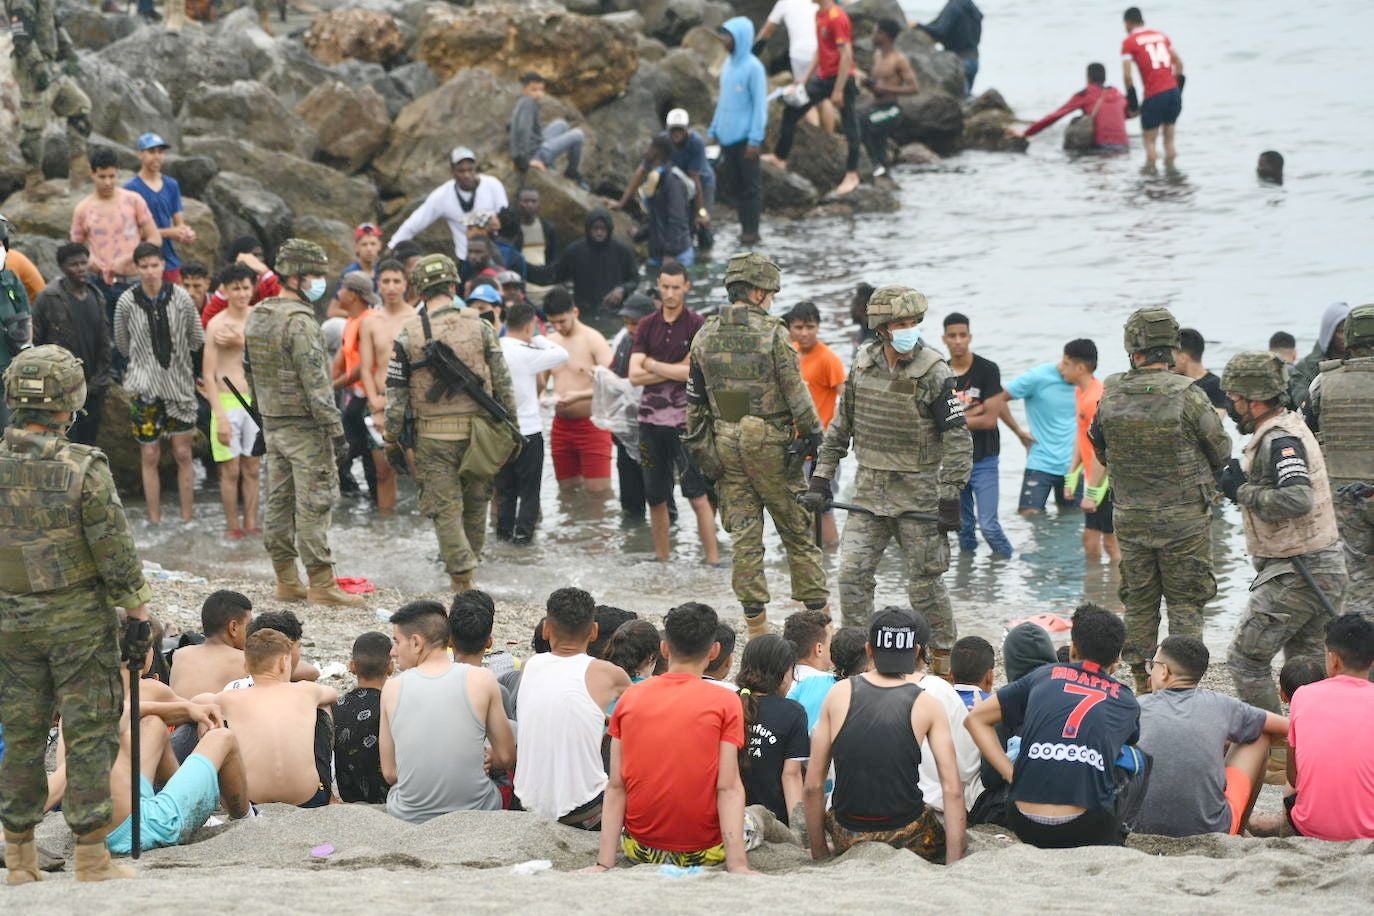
point(151, 140)
point(486, 294)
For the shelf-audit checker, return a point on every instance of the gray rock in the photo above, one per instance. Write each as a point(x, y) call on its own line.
point(670, 20)
point(398, 87)
point(191, 60)
point(933, 118)
point(253, 111)
point(294, 73)
point(989, 100)
point(242, 206)
point(42, 251)
point(193, 173)
point(12, 166)
point(987, 130)
point(351, 123)
point(865, 14)
point(57, 157)
point(915, 153)
point(784, 190)
point(934, 68)
point(866, 198)
point(334, 237)
point(91, 29)
point(124, 105)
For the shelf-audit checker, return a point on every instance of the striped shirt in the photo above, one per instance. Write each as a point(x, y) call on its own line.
point(145, 377)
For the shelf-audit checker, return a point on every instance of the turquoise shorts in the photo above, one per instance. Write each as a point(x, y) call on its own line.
point(169, 817)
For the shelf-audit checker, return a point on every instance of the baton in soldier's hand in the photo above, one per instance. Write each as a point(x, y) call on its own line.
point(136, 633)
point(918, 516)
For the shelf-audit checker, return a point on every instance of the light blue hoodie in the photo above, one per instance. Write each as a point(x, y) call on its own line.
point(742, 112)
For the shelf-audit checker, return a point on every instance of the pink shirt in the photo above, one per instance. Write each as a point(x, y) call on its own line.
point(111, 229)
point(1331, 730)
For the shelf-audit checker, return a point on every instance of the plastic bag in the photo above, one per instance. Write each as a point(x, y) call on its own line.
point(615, 407)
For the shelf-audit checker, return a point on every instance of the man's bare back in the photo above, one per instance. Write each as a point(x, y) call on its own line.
point(275, 726)
point(572, 381)
point(206, 668)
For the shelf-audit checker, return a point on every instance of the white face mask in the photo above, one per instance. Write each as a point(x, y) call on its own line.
point(315, 289)
point(906, 339)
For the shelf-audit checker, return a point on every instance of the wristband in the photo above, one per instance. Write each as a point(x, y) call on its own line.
point(1072, 478)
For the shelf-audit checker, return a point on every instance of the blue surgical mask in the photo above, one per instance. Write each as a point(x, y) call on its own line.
point(315, 290)
point(906, 339)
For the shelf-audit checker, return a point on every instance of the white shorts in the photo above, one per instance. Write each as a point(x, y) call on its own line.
point(243, 432)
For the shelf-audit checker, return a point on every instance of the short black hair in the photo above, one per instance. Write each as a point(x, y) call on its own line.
point(1279, 340)
point(848, 651)
point(1062, 654)
point(633, 644)
point(804, 629)
point(608, 620)
point(404, 251)
point(970, 660)
point(1351, 638)
point(148, 250)
point(1098, 634)
point(235, 272)
point(71, 250)
point(194, 269)
point(371, 654)
point(391, 264)
point(1190, 342)
point(284, 622)
point(557, 300)
point(571, 611)
point(673, 269)
point(956, 318)
point(424, 618)
point(690, 629)
point(889, 27)
point(220, 609)
point(662, 148)
point(1187, 655)
point(804, 311)
point(1299, 671)
point(519, 316)
point(243, 244)
point(1082, 350)
point(469, 625)
point(1097, 74)
point(529, 76)
point(102, 157)
point(1270, 165)
point(725, 635)
point(1133, 16)
point(538, 644)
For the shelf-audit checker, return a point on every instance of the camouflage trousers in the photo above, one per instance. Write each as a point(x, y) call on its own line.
point(927, 555)
point(72, 671)
point(458, 506)
point(1355, 518)
point(1172, 562)
point(1284, 615)
point(302, 487)
point(63, 98)
point(753, 454)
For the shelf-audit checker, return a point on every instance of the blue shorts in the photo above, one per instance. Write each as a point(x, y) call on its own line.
point(1036, 487)
point(169, 817)
point(1163, 108)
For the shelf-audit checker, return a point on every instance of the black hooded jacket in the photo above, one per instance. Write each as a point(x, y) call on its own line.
point(593, 268)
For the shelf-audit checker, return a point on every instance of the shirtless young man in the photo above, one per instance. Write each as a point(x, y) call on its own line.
point(377, 338)
point(891, 78)
point(232, 430)
point(581, 450)
point(274, 721)
point(208, 667)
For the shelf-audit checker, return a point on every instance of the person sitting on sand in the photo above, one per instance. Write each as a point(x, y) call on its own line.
point(849, 652)
point(608, 620)
point(966, 755)
point(719, 671)
point(437, 716)
point(1299, 671)
point(206, 668)
point(274, 721)
point(674, 785)
point(776, 740)
point(1197, 785)
point(1074, 719)
point(810, 633)
point(290, 626)
point(971, 664)
point(878, 728)
point(563, 697)
point(357, 717)
point(471, 618)
point(635, 647)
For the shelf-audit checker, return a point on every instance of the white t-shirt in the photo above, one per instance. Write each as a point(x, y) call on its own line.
point(442, 203)
point(526, 361)
point(965, 751)
point(799, 16)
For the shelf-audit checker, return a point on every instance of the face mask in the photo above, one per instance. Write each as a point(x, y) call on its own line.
point(315, 290)
point(906, 339)
point(1244, 424)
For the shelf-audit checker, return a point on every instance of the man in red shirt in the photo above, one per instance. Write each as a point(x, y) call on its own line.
point(675, 787)
point(1103, 103)
point(831, 76)
point(1161, 70)
point(245, 250)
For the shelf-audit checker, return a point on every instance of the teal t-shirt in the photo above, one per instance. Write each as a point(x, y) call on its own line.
point(810, 693)
point(1052, 409)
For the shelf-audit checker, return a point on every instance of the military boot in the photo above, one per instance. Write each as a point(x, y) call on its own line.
point(1276, 768)
point(324, 590)
point(756, 621)
point(21, 858)
point(939, 664)
point(1142, 681)
point(78, 173)
point(461, 582)
point(289, 584)
point(93, 861)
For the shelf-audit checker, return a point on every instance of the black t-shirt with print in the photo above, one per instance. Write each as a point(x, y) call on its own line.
point(357, 762)
point(982, 380)
point(778, 736)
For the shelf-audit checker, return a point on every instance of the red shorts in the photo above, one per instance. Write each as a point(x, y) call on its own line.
point(580, 449)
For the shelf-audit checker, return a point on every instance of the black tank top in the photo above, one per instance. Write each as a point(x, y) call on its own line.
point(877, 759)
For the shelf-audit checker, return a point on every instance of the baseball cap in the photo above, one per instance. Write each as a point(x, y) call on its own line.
point(678, 117)
point(366, 229)
point(151, 140)
point(459, 154)
point(895, 634)
point(486, 293)
point(509, 278)
point(358, 282)
point(637, 305)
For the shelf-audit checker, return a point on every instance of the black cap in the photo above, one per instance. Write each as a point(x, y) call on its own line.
point(896, 635)
point(637, 305)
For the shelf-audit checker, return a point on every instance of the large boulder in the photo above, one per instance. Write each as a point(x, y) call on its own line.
point(817, 156)
point(47, 215)
point(91, 29)
point(242, 206)
point(670, 20)
point(933, 118)
point(188, 61)
point(350, 122)
point(193, 173)
point(987, 130)
point(207, 247)
point(125, 105)
point(865, 14)
point(585, 60)
point(334, 237)
point(784, 190)
point(935, 69)
point(866, 198)
point(252, 111)
point(355, 34)
point(42, 251)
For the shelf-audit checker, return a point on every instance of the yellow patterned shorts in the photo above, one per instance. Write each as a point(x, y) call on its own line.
point(647, 855)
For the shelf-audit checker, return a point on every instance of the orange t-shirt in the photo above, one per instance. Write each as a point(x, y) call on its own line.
point(823, 373)
point(352, 354)
point(27, 273)
point(1087, 399)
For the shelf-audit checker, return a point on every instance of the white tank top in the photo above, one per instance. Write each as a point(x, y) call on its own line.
point(560, 736)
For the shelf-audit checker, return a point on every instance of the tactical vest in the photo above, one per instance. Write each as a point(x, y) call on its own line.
point(893, 430)
point(275, 379)
point(736, 358)
point(1152, 463)
point(461, 329)
point(1290, 537)
point(1347, 418)
point(42, 543)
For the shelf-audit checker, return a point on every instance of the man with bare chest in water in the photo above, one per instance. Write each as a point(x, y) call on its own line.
point(581, 450)
point(232, 430)
point(378, 337)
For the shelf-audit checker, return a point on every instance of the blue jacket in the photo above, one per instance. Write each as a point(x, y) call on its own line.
point(742, 112)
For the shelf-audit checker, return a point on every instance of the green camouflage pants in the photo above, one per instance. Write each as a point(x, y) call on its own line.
point(73, 671)
point(753, 455)
point(1356, 522)
point(62, 98)
point(927, 555)
point(1284, 615)
point(302, 487)
point(459, 507)
point(1173, 563)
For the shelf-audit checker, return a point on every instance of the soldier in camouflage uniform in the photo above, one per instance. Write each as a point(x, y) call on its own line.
point(288, 371)
point(443, 427)
point(1281, 487)
point(745, 384)
point(67, 560)
point(915, 455)
point(1340, 409)
point(1159, 437)
point(44, 64)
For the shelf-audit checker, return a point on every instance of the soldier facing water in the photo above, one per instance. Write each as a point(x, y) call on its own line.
point(746, 403)
point(289, 373)
point(67, 560)
point(915, 455)
point(1162, 441)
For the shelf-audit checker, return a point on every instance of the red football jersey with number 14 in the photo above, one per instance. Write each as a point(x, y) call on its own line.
point(1154, 57)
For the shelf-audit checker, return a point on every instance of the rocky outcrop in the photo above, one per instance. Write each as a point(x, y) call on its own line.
point(208, 246)
point(250, 110)
point(355, 34)
point(350, 123)
point(935, 69)
point(986, 127)
point(91, 29)
point(933, 118)
point(670, 20)
point(243, 206)
point(193, 173)
point(124, 105)
point(783, 190)
point(187, 62)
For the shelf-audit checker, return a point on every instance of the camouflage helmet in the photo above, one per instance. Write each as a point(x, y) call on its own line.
point(754, 269)
point(297, 258)
point(1359, 328)
point(895, 303)
point(433, 270)
point(46, 378)
point(1257, 375)
point(1149, 328)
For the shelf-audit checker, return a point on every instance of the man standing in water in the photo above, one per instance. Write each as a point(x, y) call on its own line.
point(1161, 441)
point(1161, 72)
point(746, 385)
point(915, 456)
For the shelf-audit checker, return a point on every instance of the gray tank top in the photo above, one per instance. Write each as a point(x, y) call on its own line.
point(439, 749)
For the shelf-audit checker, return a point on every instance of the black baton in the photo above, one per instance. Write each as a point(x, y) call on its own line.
point(1301, 567)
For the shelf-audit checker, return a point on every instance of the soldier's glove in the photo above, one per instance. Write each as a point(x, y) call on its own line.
point(818, 495)
point(135, 642)
point(396, 457)
point(950, 517)
point(1357, 491)
point(1231, 478)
